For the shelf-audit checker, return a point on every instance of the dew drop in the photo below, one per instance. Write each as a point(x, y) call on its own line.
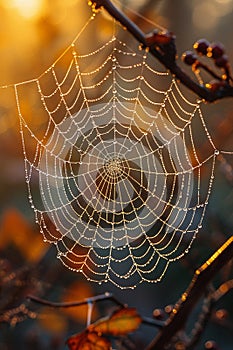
point(140, 47)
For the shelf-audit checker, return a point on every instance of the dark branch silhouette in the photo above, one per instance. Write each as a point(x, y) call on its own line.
point(163, 47)
point(95, 299)
point(98, 298)
point(189, 298)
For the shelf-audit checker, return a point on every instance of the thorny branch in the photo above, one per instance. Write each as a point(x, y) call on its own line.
point(163, 47)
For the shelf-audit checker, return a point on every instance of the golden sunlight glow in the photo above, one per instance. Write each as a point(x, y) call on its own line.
point(26, 8)
point(215, 10)
point(223, 1)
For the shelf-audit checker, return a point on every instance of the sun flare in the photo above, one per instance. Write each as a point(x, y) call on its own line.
point(27, 8)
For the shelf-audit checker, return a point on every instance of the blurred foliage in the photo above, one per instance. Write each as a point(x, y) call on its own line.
point(16, 231)
point(30, 41)
point(26, 268)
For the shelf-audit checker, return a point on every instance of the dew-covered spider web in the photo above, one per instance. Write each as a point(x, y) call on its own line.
point(113, 161)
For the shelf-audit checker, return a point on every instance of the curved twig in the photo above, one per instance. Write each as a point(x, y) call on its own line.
point(97, 298)
point(106, 296)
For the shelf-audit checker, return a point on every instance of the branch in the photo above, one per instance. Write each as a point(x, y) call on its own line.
point(197, 287)
point(101, 297)
point(207, 308)
point(162, 46)
point(202, 322)
point(106, 296)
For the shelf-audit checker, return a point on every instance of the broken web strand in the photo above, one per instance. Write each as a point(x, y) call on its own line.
point(138, 15)
point(145, 261)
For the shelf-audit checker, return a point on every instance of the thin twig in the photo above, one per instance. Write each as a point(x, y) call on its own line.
point(166, 54)
point(197, 287)
point(106, 296)
point(97, 298)
point(152, 322)
point(208, 306)
point(223, 290)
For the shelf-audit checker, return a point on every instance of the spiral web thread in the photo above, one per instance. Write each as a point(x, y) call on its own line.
point(112, 162)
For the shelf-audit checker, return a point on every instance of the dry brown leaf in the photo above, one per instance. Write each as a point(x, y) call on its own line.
point(121, 322)
point(88, 341)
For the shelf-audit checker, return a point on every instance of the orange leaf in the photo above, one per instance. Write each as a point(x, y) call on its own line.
point(121, 322)
point(88, 341)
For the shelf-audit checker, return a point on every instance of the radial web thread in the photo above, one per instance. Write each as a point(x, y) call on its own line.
point(112, 160)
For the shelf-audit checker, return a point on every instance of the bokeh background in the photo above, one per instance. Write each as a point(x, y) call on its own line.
point(33, 34)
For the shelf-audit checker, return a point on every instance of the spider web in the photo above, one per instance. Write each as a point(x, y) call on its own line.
point(112, 160)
